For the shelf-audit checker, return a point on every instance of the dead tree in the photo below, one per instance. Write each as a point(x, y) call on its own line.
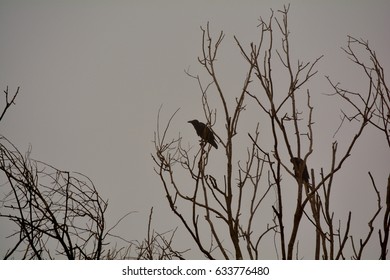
point(215, 203)
point(60, 214)
point(371, 106)
point(51, 209)
point(216, 211)
point(292, 132)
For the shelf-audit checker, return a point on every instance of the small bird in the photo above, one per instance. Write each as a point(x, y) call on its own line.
point(298, 167)
point(204, 132)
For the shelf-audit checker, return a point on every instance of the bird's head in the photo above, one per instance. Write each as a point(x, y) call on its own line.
point(194, 122)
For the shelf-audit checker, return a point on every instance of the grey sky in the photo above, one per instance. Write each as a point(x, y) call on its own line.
point(94, 73)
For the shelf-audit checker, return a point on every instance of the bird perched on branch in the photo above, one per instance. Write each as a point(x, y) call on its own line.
point(300, 168)
point(204, 132)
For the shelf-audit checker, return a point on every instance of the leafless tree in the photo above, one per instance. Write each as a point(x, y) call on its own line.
point(370, 106)
point(49, 205)
point(221, 212)
point(60, 214)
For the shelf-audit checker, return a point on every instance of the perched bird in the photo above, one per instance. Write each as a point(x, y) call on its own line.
point(300, 168)
point(204, 132)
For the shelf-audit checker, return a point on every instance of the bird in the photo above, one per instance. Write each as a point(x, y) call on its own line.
point(204, 132)
point(300, 169)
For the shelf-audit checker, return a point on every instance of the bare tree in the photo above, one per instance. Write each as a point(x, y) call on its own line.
point(60, 214)
point(221, 212)
point(49, 205)
point(372, 107)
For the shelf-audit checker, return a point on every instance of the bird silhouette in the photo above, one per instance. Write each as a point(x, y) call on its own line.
point(204, 132)
point(300, 169)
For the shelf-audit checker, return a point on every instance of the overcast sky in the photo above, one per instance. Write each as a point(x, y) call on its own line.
point(94, 73)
